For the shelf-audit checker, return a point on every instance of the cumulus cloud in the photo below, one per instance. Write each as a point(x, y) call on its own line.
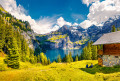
point(100, 12)
point(41, 26)
point(62, 22)
point(88, 2)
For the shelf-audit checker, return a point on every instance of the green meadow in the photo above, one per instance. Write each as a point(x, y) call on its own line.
point(74, 71)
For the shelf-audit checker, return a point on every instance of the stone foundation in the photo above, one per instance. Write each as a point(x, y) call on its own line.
point(110, 60)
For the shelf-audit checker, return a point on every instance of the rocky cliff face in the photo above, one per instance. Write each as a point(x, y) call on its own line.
point(63, 43)
point(65, 38)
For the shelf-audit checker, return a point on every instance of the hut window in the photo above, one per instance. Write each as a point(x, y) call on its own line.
point(116, 56)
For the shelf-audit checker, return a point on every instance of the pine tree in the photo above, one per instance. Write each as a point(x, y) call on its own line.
point(118, 29)
point(13, 56)
point(94, 52)
point(67, 59)
point(89, 52)
point(31, 56)
point(18, 38)
point(38, 58)
point(2, 33)
point(85, 53)
point(81, 56)
point(49, 61)
point(42, 58)
point(31, 59)
point(35, 59)
point(59, 59)
point(70, 56)
point(45, 60)
point(113, 28)
point(23, 48)
point(76, 58)
point(25, 51)
point(28, 53)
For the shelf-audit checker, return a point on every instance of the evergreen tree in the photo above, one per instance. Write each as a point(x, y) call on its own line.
point(85, 53)
point(94, 52)
point(76, 58)
point(43, 58)
point(81, 56)
point(67, 59)
point(25, 51)
point(118, 29)
point(70, 56)
point(31, 60)
point(59, 59)
point(13, 56)
point(38, 58)
point(49, 61)
point(89, 52)
point(64, 59)
point(113, 28)
point(35, 59)
point(23, 48)
point(2, 33)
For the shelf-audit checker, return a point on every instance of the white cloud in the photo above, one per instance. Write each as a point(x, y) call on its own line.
point(88, 2)
point(100, 12)
point(41, 26)
point(46, 24)
point(61, 22)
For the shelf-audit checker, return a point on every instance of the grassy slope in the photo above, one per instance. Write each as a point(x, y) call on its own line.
point(56, 72)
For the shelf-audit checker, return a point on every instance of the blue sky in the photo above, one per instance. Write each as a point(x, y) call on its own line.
point(45, 16)
point(68, 9)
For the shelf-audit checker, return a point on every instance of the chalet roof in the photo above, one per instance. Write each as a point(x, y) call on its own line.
point(109, 38)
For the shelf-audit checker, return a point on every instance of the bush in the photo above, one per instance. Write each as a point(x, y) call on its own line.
point(3, 67)
point(109, 69)
point(117, 66)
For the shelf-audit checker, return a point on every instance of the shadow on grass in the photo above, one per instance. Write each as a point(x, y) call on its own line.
point(100, 69)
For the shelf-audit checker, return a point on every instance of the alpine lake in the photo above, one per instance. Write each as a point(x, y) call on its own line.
point(52, 54)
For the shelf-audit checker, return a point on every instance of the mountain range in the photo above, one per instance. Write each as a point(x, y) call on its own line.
point(76, 37)
point(67, 37)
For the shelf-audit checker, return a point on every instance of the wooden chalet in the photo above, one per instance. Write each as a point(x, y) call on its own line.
point(110, 55)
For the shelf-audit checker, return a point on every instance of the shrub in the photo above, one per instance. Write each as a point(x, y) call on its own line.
point(117, 66)
point(3, 67)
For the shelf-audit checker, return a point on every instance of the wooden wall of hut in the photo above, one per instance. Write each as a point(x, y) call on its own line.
point(111, 49)
point(100, 52)
point(100, 61)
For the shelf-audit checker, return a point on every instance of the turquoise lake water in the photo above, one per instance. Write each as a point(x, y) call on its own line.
point(53, 54)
